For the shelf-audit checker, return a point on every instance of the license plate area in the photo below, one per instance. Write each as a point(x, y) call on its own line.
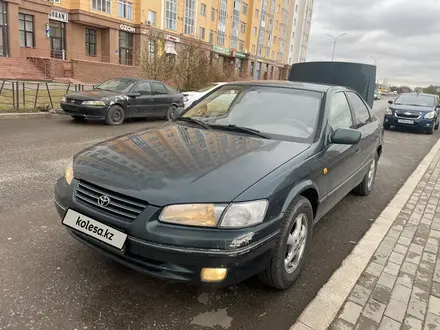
point(405, 121)
point(95, 229)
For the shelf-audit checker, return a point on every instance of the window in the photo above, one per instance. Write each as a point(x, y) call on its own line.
point(244, 8)
point(212, 14)
point(170, 14)
point(190, 6)
point(143, 88)
point(253, 49)
point(273, 54)
point(278, 8)
point(291, 48)
point(152, 17)
point(255, 31)
point(340, 114)
point(125, 48)
point(203, 9)
point(221, 26)
point(241, 45)
point(257, 12)
point(125, 9)
point(90, 42)
point(243, 27)
point(276, 24)
point(293, 35)
point(151, 49)
point(158, 88)
point(202, 33)
point(296, 8)
point(26, 23)
point(294, 22)
point(360, 110)
point(102, 5)
point(211, 36)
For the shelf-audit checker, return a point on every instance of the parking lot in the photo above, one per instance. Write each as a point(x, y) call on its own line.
point(50, 281)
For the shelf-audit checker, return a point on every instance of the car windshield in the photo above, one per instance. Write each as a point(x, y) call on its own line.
point(417, 100)
point(117, 85)
point(206, 88)
point(275, 111)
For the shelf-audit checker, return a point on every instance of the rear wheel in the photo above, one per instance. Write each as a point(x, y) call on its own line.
point(171, 112)
point(115, 116)
point(365, 187)
point(437, 125)
point(289, 254)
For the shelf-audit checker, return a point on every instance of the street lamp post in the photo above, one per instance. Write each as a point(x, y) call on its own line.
point(375, 61)
point(335, 39)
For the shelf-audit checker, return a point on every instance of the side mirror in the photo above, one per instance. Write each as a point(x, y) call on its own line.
point(134, 94)
point(345, 136)
point(390, 102)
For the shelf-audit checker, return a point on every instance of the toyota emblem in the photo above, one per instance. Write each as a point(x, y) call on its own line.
point(103, 200)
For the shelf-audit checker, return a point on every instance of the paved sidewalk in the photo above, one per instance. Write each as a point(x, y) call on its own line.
point(390, 281)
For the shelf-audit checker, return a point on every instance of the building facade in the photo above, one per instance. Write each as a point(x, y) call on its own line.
point(300, 31)
point(251, 35)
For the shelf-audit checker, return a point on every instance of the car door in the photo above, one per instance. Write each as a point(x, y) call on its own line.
point(161, 99)
point(142, 105)
point(340, 159)
point(369, 129)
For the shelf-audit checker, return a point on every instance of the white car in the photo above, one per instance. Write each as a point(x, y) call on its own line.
point(190, 97)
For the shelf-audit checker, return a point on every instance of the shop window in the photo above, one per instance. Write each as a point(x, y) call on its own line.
point(26, 27)
point(102, 5)
point(90, 42)
point(125, 9)
point(171, 14)
point(152, 17)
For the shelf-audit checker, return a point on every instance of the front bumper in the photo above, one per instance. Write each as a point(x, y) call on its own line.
point(420, 123)
point(173, 260)
point(85, 111)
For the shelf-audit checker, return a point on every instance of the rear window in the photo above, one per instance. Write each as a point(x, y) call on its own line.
point(416, 100)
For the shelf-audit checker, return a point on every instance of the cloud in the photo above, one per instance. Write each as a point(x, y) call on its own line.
point(405, 33)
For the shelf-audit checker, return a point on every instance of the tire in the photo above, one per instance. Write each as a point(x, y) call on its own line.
point(115, 115)
point(78, 119)
point(430, 130)
point(364, 188)
point(277, 274)
point(386, 126)
point(171, 112)
point(437, 125)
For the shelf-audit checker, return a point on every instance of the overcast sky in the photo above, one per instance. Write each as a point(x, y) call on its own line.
point(405, 32)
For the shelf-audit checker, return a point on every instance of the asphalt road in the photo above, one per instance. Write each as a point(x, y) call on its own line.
point(50, 281)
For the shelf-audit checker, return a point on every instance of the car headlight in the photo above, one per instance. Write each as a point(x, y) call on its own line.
point(388, 111)
point(95, 103)
point(63, 99)
point(430, 115)
point(216, 215)
point(69, 172)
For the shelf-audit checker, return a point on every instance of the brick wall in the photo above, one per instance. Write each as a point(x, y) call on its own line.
point(95, 72)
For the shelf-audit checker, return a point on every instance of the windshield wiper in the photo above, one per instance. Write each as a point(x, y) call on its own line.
point(195, 121)
point(241, 129)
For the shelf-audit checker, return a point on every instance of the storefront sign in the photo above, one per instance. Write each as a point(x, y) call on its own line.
point(171, 38)
point(127, 28)
point(240, 55)
point(57, 15)
point(220, 50)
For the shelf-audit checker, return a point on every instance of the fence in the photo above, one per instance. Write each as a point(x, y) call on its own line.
point(25, 96)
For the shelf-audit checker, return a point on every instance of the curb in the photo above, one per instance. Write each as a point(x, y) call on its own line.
point(322, 310)
point(30, 115)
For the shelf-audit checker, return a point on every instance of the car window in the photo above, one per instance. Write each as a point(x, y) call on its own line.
point(286, 113)
point(359, 108)
point(117, 85)
point(340, 114)
point(416, 100)
point(143, 88)
point(158, 88)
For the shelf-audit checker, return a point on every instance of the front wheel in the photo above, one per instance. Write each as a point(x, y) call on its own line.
point(115, 115)
point(430, 130)
point(386, 126)
point(289, 255)
point(365, 187)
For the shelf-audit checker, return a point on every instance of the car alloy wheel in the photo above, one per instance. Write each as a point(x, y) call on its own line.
point(371, 174)
point(296, 244)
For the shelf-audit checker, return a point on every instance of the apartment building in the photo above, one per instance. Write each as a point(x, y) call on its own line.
point(300, 31)
point(251, 35)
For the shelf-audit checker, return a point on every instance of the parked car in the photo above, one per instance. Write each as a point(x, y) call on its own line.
point(120, 98)
point(415, 110)
point(191, 96)
point(225, 190)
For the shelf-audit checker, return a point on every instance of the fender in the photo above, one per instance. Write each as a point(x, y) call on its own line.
point(297, 190)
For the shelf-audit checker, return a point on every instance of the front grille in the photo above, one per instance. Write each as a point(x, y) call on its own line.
point(73, 101)
point(413, 115)
point(121, 206)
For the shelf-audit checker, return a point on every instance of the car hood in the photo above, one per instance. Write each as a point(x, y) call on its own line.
point(410, 108)
point(181, 164)
point(95, 94)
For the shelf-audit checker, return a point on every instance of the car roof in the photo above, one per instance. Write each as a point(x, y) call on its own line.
point(288, 84)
